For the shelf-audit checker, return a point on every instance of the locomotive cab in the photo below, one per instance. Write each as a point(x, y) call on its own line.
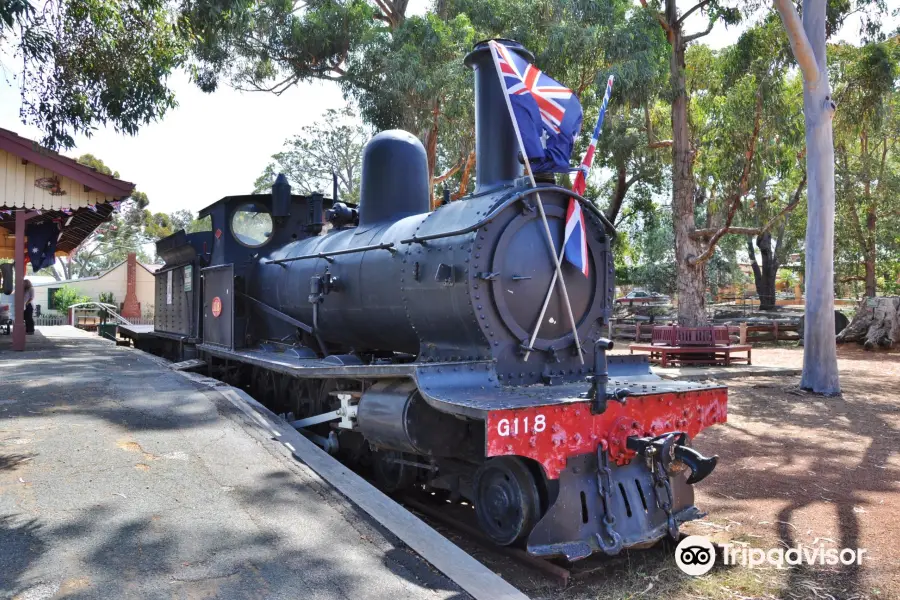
point(243, 228)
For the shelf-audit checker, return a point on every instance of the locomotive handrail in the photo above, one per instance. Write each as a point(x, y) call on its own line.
point(506, 203)
point(327, 255)
point(278, 314)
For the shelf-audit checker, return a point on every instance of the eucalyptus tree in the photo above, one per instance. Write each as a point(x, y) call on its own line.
point(401, 71)
point(808, 37)
point(867, 134)
point(332, 146)
point(750, 77)
point(87, 63)
point(581, 43)
point(691, 253)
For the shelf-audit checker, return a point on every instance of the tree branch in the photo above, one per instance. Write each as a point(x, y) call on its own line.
point(464, 179)
point(741, 191)
point(803, 50)
point(702, 234)
point(662, 21)
point(692, 9)
point(790, 206)
point(700, 34)
point(451, 171)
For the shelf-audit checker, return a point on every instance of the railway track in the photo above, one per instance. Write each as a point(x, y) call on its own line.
point(457, 521)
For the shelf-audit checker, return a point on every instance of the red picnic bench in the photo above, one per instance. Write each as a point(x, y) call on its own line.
point(677, 345)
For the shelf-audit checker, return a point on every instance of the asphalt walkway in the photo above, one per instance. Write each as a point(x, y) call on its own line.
point(121, 479)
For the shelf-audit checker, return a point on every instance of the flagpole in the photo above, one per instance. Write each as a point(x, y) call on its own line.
point(587, 156)
point(540, 204)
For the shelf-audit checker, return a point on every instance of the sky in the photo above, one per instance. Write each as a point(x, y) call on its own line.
point(216, 145)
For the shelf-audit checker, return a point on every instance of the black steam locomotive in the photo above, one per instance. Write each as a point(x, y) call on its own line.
point(402, 336)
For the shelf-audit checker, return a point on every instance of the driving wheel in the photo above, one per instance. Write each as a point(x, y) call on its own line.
point(507, 503)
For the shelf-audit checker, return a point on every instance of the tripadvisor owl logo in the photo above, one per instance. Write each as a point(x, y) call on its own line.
point(695, 555)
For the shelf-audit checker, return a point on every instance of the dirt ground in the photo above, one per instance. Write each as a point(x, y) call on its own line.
point(794, 469)
point(801, 469)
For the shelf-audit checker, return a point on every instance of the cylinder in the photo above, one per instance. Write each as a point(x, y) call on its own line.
point(496, 149)
point(394, 178)
point(392, 415)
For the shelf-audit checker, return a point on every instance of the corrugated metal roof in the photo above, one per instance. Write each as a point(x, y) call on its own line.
point(32, 151)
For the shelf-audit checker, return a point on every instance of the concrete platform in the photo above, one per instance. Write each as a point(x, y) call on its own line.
point(717, 373)
point(122, 479)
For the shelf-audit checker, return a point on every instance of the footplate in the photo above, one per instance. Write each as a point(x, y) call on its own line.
point(598, 513)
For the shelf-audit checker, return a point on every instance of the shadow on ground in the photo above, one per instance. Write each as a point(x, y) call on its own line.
point(272, 535)
point(807, 464)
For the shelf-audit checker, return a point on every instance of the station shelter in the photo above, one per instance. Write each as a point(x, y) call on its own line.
point(39, 186)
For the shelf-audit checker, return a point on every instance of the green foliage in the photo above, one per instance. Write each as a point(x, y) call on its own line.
point(652, 255)
point(130, 229)
point(95, 62)
point(98, 165)
point(866, 83)
point(107, 298)
point(788, 278)
point(14, 12)
point(332, 145)
point(66, 296)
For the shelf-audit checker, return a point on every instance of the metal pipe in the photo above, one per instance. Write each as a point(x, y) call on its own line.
point(327, 255)
point(610, 228)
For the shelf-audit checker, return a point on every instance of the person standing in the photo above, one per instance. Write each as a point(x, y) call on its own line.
point(28, 300)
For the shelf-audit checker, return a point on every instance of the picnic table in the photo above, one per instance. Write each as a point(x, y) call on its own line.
point(676, 345)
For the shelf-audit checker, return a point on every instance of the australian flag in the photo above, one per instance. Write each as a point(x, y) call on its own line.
point(575, 240)
point(42, 240)
point(548, 114)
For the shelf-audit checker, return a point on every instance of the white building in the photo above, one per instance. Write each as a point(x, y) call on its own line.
point(114, 280)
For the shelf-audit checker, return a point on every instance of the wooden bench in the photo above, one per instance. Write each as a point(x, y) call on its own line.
point(667, 356)
point(701, 336)
point(664, 335)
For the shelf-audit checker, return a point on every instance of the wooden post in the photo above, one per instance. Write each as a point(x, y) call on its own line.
point(743, 333)
point(637, 332)
point(18, 341)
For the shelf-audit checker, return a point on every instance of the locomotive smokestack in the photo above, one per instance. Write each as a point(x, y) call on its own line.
point(496, 150)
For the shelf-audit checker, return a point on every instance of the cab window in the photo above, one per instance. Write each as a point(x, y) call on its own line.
point(251, 225)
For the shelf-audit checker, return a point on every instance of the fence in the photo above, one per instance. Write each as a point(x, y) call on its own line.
point(751, 331)
point(46, 320)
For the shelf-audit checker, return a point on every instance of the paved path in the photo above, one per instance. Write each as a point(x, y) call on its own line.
point(119, 479)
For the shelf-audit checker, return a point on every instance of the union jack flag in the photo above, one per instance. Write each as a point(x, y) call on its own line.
point(547, 113)
point(580, 185)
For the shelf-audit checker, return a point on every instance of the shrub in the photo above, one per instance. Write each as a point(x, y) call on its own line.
point(67, 296)
point(107, 298)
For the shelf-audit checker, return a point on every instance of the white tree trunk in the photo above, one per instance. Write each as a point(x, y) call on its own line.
point(820, 371)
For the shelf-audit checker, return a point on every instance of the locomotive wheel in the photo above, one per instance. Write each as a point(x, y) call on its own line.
point(507, 502)
point(391, 477)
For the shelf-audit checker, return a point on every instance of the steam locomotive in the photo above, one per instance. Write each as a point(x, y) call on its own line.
point(401, 336)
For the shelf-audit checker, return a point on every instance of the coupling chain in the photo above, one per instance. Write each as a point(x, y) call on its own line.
point(661, 480)
point(604, 483)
